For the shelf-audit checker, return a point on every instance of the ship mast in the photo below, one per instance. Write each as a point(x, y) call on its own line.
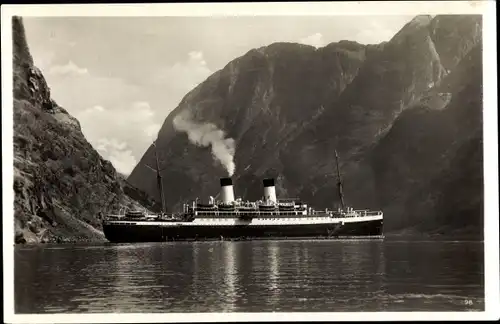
point(339, 183)
point(159, 179)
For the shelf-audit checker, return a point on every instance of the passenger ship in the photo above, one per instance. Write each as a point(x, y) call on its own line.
point(235, 219)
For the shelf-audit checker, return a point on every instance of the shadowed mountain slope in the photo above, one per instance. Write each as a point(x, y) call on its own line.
point(403, 115)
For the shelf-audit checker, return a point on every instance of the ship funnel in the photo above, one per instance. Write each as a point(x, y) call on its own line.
point(269, 190)
point(227, 193)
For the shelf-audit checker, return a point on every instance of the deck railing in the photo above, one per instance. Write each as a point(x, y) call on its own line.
point(354, 213)
point(236, 213)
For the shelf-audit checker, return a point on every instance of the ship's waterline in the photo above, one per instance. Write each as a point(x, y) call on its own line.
point(141, 232)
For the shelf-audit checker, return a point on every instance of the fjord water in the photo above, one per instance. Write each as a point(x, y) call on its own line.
point(251, 276)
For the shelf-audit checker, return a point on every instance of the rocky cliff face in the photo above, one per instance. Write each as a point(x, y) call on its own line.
point(403, 115)
point(61, 183)
point(429, 166)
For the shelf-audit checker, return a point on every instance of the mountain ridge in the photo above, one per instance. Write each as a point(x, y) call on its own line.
point(289, 106)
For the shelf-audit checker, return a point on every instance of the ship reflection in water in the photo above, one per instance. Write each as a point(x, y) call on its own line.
point(250, 276)
point(230, 275)
point(273, 248)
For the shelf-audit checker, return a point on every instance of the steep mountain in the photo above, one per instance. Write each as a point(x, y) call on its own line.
point(259, 99)
point(429, 166)
point(60, 182)
point(395, 79)
point(403, 116)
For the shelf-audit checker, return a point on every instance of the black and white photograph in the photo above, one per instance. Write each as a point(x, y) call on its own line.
point(247, 162)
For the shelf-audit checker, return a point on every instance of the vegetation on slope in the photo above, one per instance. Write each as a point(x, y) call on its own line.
point(61, 184)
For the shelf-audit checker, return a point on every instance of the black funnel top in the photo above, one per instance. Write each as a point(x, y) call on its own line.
point(226, 182)
point(268, 182)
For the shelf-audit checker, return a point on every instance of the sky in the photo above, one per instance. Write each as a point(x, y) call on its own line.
point(122, 76)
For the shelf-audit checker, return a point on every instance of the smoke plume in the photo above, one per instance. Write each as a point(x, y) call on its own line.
point(207, 134)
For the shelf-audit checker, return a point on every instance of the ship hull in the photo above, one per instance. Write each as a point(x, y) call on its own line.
point(128, 233)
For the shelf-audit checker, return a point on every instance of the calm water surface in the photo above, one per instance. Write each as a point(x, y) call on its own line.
point(261, 276)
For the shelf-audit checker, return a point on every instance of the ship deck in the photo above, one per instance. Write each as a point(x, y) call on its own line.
point(260, 221)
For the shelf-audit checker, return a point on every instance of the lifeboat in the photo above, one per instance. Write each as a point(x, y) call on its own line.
point(224, 207)
point(135, 214)
point(287, 207)
point(267, 207)
point(206, 207)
